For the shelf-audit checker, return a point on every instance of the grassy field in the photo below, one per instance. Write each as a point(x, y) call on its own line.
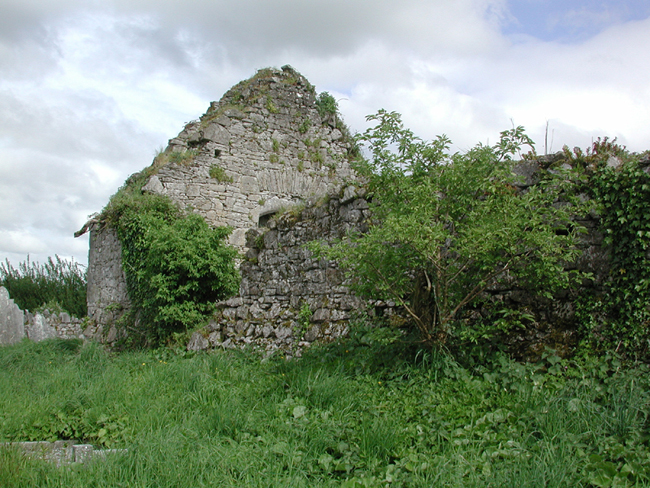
point(350, 414)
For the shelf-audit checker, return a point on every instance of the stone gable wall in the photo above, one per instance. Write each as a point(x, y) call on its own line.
point(264, 147)
point(269, 147)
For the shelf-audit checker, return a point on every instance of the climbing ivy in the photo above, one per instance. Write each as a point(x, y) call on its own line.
point(619, 318)
point(176, 265)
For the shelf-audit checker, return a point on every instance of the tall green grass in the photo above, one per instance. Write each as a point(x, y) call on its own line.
point(56, 284)
point(343, 415)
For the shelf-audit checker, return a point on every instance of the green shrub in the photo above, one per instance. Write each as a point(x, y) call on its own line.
point(326, 105)
point(55, 284)
point(177, 268)
point(448, 227)
point(176, 265)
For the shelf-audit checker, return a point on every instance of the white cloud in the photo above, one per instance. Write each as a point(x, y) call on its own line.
point(88, 92)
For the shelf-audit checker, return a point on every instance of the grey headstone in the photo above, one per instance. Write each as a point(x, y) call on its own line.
point(12, 319)
point(40, 329)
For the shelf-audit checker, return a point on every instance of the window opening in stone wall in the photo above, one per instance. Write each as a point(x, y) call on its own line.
point(264, 219)
point(217, 153)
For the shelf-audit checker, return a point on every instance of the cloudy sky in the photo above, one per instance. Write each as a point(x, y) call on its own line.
point(90, 89)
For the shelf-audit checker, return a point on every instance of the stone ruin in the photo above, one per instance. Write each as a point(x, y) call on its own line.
point(16, 324)
point(265, 148)
point(266, 162)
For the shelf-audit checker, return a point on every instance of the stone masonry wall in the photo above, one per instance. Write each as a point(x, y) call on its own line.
point(262, 147)
point(12, 321)
point(107, 296)
point(281, 279)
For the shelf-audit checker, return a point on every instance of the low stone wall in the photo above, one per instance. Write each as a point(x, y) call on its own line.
point(15, 324)
point(61, 452)
point(47, 325)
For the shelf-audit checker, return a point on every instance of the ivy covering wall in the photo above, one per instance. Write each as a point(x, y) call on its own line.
point(176, 266)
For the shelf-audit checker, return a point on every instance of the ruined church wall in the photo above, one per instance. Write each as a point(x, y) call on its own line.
point(107, 295)
point(281, 278)
point(262, 147)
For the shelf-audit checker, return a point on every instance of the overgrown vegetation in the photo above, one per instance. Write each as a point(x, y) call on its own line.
point(446, 228)
point(57, 285)
point(176, 265)
point(355, 413)
point(618, 318)
point(176, 157)
point(219, 174)
point(326, 105)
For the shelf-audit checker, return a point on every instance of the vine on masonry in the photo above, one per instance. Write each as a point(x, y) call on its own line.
point(619, 317)
point(176, 265)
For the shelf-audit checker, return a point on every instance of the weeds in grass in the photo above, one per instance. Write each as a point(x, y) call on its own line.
point(353, 413)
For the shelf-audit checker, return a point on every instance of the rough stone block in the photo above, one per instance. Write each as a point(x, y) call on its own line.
point(321, 315)
point(12, 325)
point(197, 342)
point(83, 453)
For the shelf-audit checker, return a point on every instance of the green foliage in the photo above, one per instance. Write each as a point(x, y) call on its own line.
point(619, 318)
point(358, 412)
point(176, 266)
point(317, 157)
point(448, 227)
point(304, 318)
point(270, 105)
point(219, 174)
point(326, 105)
point(57, 285)
point(304, 126)
point(176, 269)
point(181, 158)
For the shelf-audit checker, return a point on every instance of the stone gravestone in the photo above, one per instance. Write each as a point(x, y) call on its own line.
point(39, 328)
point(12, 325)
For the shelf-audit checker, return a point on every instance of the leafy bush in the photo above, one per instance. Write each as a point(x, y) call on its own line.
point(619, 318)
point(448, 227)
point(176, 265)
point(56, 284)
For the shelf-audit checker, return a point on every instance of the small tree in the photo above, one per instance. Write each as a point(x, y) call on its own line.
point(448, 227)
